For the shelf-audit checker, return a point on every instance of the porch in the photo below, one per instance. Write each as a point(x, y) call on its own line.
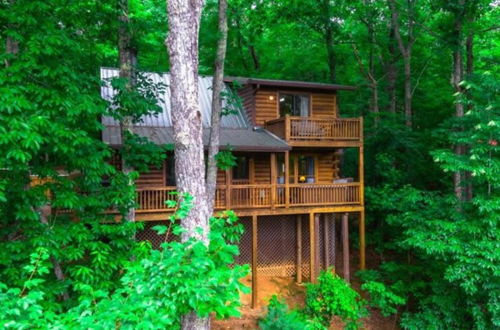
point(260, 196)
point(317, 131)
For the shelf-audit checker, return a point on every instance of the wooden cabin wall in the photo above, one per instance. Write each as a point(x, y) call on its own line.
point(267, 105)
point(262, 168)
point(247, 96)
point(328, 167)
point(324, 105)
point(154, 178)
point(265, 108)
point(221, 177)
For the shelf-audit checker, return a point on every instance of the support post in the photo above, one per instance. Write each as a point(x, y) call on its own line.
point(326, 224)
point(287, 179)
point(228, 188)
point(254, 262)
point(312, 245)
point(362, 258)
point(273, 179)
point(316, 243)
point(345, 246)
point(361, 167)
point(299, 248)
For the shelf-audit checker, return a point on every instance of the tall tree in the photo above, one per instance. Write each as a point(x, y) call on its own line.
point(217, 87)
point(406, 48)
point(182, 43)
point(128, 61)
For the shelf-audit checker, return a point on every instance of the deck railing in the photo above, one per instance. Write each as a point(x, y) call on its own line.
point(261, 196)
point(301, 129)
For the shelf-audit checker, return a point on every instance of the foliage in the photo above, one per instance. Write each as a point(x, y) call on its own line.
point(279, 317)
point(382, 296)
point(332, 296)
point(225, 159)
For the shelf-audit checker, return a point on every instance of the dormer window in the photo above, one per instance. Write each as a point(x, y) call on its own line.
point(294, 105)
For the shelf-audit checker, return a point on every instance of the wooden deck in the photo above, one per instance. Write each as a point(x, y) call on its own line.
point(317, 131)
point(264, 198)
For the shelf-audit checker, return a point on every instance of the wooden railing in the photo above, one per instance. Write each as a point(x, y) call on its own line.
point(315, 129)
point(261, 196)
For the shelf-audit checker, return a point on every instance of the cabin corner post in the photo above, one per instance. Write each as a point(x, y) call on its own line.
point(254, 261)
point(228, 188)
point(362, 244)
point(273, 179)
point(287, 128)
point(345, 247)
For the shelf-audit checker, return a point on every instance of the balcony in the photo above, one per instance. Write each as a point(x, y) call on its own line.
point(311, 131)
point(261, 196)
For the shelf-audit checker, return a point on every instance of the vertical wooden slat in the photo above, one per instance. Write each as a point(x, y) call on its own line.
point(299, 248)
point(254, 262)
point(345, 246)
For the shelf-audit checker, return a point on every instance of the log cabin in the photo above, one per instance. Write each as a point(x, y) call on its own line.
point(287, 187)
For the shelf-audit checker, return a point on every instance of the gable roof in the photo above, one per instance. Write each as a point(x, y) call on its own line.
point(236, 130)
point(289, 83)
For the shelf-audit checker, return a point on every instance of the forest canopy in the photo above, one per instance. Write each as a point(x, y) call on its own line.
point(427, 79)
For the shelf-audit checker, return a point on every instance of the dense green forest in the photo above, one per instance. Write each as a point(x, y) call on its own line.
point(427, 79)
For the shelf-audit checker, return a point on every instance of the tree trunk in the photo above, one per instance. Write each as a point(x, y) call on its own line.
point(392, 73)
point(217, 86)
point(469, 69)
point(457, 77)
point(406, 52)
point(128, 59)
point(11, 45)
point(182, 44)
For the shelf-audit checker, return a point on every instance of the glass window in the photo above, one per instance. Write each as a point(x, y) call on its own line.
point(241, 170)
point(306, 169)
point(170, 171)
point(294, 105)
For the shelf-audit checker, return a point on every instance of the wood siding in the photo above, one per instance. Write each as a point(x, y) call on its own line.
point(328, 167)
point(324, 105)
point(262, 170)
point(247, 96)
point(265, 108)
point(154, 178)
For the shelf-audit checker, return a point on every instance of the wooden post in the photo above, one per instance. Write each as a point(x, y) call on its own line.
point(326, 222)
point(273, 179)
point(254, 262)
point(287, 128)
point(361, 166)
point(228, 189)
point(316, 243)
point(362, 261)
point(299, 248)
point(345, 246)
point(287, 179)
point(312, 246)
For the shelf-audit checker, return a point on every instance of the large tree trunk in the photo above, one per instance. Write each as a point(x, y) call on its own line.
point(217, 86)
point(469, 70)
point(182, 43)
point(128, 59)
point(406, 52)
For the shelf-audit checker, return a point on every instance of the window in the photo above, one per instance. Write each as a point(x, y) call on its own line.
point(170, 171)
point(306, 169)
point(294, 105)
point(241, 171)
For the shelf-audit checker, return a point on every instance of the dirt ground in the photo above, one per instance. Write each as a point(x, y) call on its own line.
point(294, 294)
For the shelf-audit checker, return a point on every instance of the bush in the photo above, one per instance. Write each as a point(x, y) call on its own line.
point(279, 317)
point(333, 296)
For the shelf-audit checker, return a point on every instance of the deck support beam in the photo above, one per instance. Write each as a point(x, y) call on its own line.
point(312, 246)
point(299, 248)
point(254, 261)
point(317, 262)
point(287, 179)
point(362, 254)
point(345, 246)
point(326, 239)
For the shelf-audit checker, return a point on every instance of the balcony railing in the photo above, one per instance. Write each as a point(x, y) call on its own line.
point(261, 196)
point(305, 129)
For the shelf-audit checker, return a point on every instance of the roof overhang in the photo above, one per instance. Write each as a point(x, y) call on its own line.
point(289, 84)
